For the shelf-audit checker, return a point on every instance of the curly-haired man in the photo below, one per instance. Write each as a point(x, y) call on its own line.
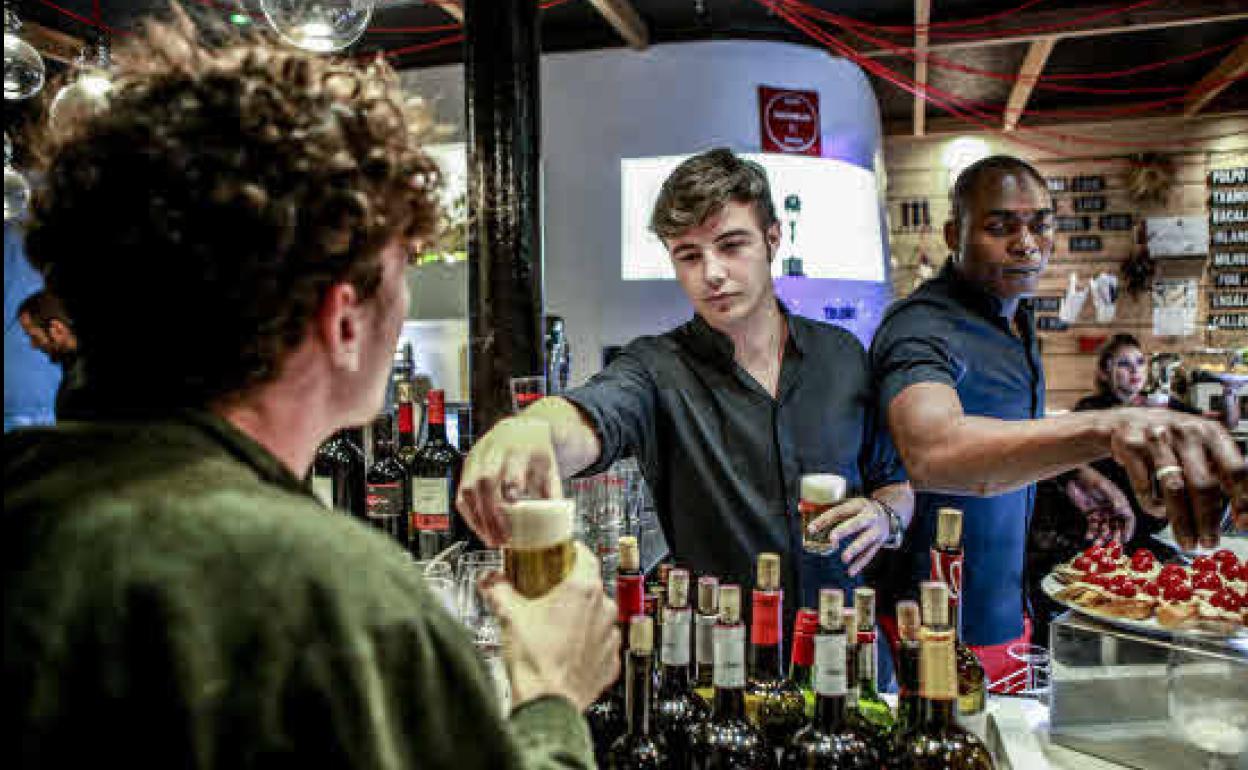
point(174, 594)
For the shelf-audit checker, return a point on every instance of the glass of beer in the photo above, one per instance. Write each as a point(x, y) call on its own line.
point(819, 493)
point(541, 552)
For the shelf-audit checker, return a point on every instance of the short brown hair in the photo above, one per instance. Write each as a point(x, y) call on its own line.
point(43, 308)
point(701, 185)
point(193, 228)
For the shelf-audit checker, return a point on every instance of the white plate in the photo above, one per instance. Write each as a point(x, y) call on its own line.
point(1052, 586)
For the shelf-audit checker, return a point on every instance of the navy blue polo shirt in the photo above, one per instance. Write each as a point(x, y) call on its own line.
point(724, 459)
point(951, 332)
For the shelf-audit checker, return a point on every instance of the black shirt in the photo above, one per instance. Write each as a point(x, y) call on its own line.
point(724, 459)
point(951, 332)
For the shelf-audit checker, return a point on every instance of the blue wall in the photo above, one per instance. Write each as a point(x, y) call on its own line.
point(30, 380)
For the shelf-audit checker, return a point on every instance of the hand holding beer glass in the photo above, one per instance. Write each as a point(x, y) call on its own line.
point(541, 552)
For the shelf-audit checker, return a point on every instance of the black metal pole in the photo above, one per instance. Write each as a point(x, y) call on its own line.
point(502, 87)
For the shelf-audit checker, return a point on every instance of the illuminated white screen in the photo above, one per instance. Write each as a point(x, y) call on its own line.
point(837, 230)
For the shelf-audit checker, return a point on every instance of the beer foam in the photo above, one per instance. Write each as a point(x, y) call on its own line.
point(822, 488)
point(539, 523)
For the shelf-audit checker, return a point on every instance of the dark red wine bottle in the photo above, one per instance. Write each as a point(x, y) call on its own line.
point(435, 471)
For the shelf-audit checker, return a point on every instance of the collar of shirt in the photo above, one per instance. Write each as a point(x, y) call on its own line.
point(709, 343)
point(973, 297)
point(245, 448)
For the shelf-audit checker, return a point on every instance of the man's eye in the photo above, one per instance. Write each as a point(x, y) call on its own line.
point(734, 245)
point(996, 228)
point(1042, 227)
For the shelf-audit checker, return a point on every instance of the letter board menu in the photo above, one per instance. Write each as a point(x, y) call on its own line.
point(1228, 239)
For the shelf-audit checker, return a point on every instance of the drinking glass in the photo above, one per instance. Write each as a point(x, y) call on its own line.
point(1208, 707)
point(472, 607)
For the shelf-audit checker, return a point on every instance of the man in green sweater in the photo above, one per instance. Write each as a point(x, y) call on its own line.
point(173, 594)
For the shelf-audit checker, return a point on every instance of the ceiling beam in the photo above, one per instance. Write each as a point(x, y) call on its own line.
point(453, 8)
point(1033, 64)
point(937, 126)
point(622, 16)
point(1233, 66)
point(922, 18)
point(1168, 15)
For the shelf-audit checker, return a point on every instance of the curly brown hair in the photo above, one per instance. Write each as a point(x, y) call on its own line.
point(193, 228)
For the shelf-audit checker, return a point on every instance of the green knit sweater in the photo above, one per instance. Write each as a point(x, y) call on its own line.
point(173, 597)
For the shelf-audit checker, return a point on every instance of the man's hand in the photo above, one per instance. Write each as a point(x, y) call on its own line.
point(858, 516)
point(565, 643)
point(1109, 512)
point(1193, 459)
point(514, 460)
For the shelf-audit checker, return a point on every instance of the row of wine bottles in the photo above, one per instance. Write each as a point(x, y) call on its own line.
point(407, 490)
point(708, 710)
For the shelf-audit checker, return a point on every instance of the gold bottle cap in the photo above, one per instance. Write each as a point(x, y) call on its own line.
point(909, 621)
point(948, 528)
point(822, 488)
point(831, 607)
point(708, 595)
point(678, 588)
point(630, 554)
point(934, 598)
point(641, 634)
point(768, 572)
point(730, 604)
point(864, 607)
point(849, 620)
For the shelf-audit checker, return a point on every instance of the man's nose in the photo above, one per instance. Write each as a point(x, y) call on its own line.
point(713, 270)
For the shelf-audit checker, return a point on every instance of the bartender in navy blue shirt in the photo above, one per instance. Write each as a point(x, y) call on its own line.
point(960, 380)
point(724, 413)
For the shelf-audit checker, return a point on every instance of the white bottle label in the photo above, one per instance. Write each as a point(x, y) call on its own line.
point(431, 504)
point(676, 626)
point(705, 640)
point(830, 669)
point(323, 488)
point(729, 656)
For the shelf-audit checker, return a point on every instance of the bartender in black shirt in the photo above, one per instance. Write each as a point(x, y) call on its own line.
point(724, 414)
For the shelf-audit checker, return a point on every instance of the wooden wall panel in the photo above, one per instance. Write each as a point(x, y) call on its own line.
point(915, 170)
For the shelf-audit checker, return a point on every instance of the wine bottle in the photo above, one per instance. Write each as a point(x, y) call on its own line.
point(908, 626)
point(876, 716)
point(801, 662)
point(946, 558)
point(704, 641)
point(676, 706)
point(638, 748)
point(606, 714)
point(338, 475)
point(938, 742)
point(386, 484)
point(727, 740)
point(435, 474)
point(656, 601)
point(830, 740)
point(772, 702)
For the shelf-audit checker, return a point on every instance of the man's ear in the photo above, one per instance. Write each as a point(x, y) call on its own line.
point(59, 332)
point(773, 240)
point(953, 237)
point(339, 323)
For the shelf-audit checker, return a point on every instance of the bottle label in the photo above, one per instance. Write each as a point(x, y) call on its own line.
point(765, 626)
point(437, 407)
point(705, 640)
point(676, 626)
point(323, 488)
point(803, 649)
point(384, 500)
point(407, 423)
point(830, 664)
point(630, 597)
point(729, 656)
point(431, 504)
point(866, 655)
point(947, 568)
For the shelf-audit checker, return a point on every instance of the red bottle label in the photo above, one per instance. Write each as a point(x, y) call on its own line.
point(630, 597)
point(803, 649)
point(947, 568)
point(437, 407)
point(435, 522)
point(406, 420)
point(765, 624)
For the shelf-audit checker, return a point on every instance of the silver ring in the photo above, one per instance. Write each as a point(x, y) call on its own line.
point(1167, 470)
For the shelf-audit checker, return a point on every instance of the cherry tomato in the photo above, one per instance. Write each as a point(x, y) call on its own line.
point(1204, 564)
point(1083, 564)
point(1106, 565)
point(1093, 551)
point(1143, 561)
point(1230, 569)
point(1139, 582)
point(1171, 574)
point(1114, 548)
point(1141, 552)
point(1223, 556)
point(1152, 589)
point(1127, 591)
point(1176, 592)
point(1206, 581)
point(1225, 600)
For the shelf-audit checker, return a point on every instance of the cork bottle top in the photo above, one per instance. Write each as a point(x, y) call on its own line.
point(630, 554)
point(864, 606)
point(909, 621)
point(822, 488)
point(708, 595)
point(678, 588)
point(730, 604)
point(934, 597)
point(641, 634)
point(849, 621)
point(662, 572)
point(831, 609)
point(948, 528)
point(768, 572)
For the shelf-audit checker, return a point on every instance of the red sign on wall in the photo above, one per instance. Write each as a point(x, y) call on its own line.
point(789, 120)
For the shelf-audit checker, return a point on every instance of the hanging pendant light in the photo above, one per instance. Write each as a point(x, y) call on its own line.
point(24, 70)
point(87, 94)
point(321, 26)
point(16, 188)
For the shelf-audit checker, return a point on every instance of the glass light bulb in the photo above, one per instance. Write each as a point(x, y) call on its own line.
point(86, 97)
point(321, 26)
point(8, 150)
point(23, 68)
point(16, 194)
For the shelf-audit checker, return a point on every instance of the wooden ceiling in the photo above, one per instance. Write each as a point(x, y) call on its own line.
point(1191, 55)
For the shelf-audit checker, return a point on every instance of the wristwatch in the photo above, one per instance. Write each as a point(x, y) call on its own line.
point(896, 531)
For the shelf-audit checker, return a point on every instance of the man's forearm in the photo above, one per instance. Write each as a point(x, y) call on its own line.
point(576, 444)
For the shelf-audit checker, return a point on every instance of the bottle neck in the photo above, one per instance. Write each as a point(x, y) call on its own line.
point(407, 428)
point(947, 568)
point(437, 416)
point(676, 630)
point(940, 683)
point(803, 659)
point(637, 694)
point(630, 596)
point(830, 713)
point(765, 636)
point(729, 670)
point(936, 715)
point(865, 675)
point(908, 669)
